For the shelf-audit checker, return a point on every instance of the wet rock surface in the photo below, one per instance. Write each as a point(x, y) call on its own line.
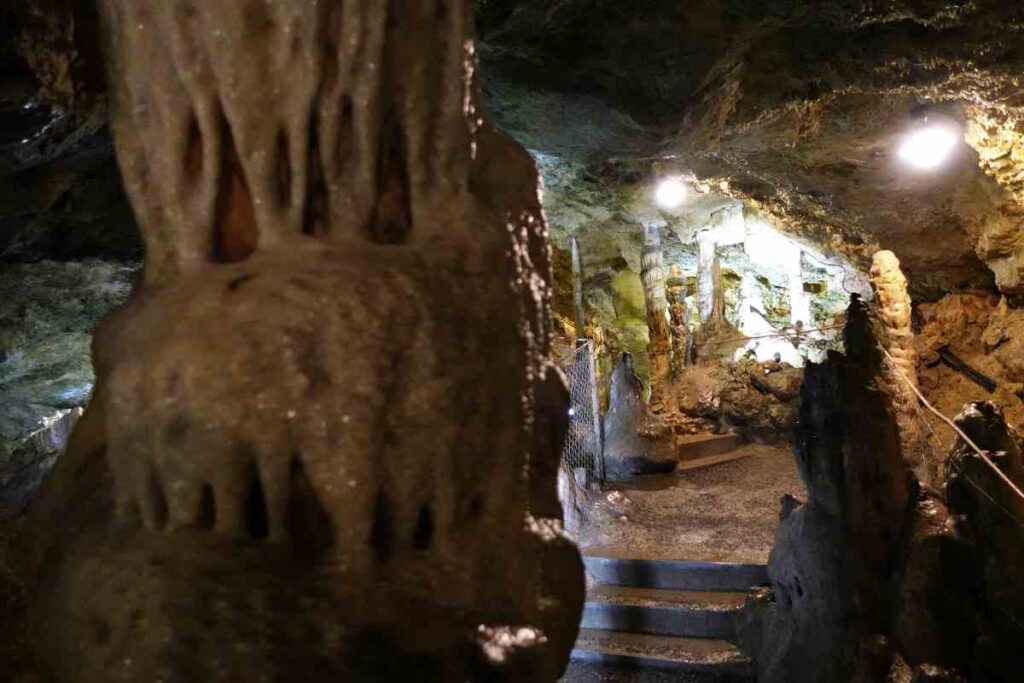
point(48, 312)
point(633, 436)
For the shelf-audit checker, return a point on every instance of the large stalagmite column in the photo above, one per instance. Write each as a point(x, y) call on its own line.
point(652, 273)
point(674, 294)
point(892, 308)
point(326, 430)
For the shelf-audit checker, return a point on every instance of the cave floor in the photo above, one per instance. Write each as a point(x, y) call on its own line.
point(722, 513)
point(582, 672)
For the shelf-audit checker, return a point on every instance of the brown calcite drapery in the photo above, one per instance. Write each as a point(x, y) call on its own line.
point(325, 432)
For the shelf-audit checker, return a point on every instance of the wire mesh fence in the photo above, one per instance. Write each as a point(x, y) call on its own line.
point(582, 454)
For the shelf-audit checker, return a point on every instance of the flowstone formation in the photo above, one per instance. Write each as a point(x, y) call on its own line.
point(659, 345)
point(325, 432)
point(892, 308)
point(632, 434)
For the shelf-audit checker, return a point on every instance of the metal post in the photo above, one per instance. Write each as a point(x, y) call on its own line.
point(577, 291)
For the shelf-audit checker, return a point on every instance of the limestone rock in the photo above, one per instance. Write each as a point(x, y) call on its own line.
point(631, 446)
point(990, 516)
point(934, 620)
point(835, 558)
point(292, 467)
point(986, 334)
point(47, 314)
point(743, 397)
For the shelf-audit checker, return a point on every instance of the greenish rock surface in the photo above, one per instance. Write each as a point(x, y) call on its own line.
point(48, 311)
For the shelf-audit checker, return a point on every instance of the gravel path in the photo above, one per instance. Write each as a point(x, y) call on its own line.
point(722, 513)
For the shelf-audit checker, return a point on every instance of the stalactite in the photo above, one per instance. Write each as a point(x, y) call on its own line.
point(674, 294)
point(652, 274)
point(892, 309)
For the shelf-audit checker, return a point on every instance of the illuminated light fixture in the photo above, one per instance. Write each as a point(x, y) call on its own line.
point(671, 193)
point(927, 147)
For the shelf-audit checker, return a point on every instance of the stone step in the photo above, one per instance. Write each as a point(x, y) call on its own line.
point(697, 463)
point(680, 655)
point(694, 446)
point(692, 614)
point(675, 574)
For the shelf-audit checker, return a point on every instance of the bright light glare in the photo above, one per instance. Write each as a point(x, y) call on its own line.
point(926, 148)
point(671, 193)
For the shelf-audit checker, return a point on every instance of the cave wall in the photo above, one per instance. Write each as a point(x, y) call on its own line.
point(875, 576)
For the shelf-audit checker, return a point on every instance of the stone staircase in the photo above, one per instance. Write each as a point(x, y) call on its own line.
point(674, 616)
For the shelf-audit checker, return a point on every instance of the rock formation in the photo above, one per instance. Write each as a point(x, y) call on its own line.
point(836, 555)
point(875, 577)
point(292, 463)
point(892, 307)
point(678, 317)
point(631, 432)
point(659, 346)
point(739, 397)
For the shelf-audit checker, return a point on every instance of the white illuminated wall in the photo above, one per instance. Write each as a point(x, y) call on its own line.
point(771, 250)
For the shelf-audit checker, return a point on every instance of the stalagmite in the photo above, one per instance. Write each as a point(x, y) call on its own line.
point(705, 277)
point(717, 319)
point(652, 273)
point(326, 421)
point(674, 294)
point(892, 308)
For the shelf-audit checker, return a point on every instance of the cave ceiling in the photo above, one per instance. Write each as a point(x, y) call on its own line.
point(794, 108)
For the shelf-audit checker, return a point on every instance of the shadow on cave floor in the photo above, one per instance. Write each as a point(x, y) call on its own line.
point(581, 672)
point(723, 513)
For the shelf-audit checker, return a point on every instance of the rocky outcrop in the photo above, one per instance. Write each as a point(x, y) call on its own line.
point(990, 516)
point(48, 311)
point(874, 577)
point(633, 443)
point(291, 462)
point(987, 334)
point(836, 557)
point(745, 397)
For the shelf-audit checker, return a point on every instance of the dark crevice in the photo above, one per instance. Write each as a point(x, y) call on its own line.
point(424, 533)
point(392, 215)
point(283, 170)
point(207, 517)
point(254, 507)
point(193, 150)
point(382, 534)
point(157, 501)
point(236, 235)
point(476, 505)
point(315, 218)
point(309, 526)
